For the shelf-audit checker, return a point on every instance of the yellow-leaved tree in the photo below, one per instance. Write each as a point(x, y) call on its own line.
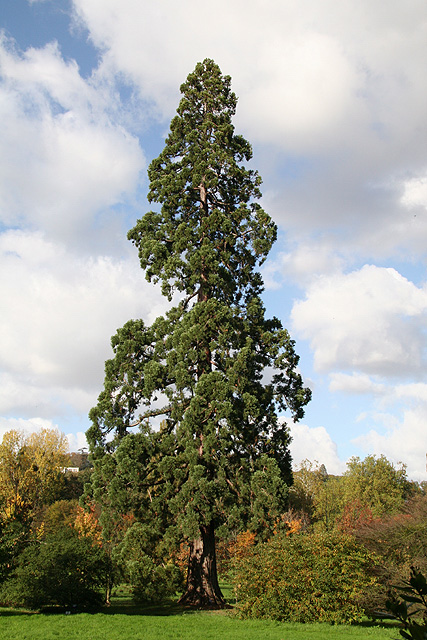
point(31, 470)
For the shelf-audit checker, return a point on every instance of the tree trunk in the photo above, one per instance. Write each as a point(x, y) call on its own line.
point(202, 588)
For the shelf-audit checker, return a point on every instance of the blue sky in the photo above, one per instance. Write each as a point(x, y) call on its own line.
point(333, 98)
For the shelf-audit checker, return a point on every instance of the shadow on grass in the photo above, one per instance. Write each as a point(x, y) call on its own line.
point(7, 612)
point(119, 606)
point(124, 605)
point(378, 622)
point(127, 606)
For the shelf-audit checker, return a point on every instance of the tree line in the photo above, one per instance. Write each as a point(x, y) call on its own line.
point(331, 555)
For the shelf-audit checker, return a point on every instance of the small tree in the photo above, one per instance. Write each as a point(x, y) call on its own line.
point(202, 366)
point(316, 494)
point(30, 478)
point(400, 541)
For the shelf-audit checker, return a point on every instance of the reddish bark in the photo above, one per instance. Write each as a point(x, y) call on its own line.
point(202, 589)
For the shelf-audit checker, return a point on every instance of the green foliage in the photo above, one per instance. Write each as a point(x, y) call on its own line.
point(209, 233)
point(200, 366)
point(14, 534)
point(369, 489)
point(377, 484)
point(323, 577)
point(407, 603)
point(316, 494)
point(62, 569)
point(152, 578)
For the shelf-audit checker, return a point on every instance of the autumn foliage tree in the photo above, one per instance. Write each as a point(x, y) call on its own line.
point(31, 468)
point(30, 478)
point(203, 366)
point(369, 489)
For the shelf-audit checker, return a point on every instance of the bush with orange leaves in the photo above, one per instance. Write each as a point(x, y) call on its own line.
point(87, 524)
point(240, 546)
point(292, 522)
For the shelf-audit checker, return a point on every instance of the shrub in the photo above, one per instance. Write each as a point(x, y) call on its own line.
point(316, 577)
point(151, 576)
point(62, 569)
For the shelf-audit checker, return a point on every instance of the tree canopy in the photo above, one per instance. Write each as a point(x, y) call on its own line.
point(31, 469)
point(213, 368)
point(378, 484)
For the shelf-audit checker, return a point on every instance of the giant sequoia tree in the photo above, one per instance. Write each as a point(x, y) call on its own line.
point(214, 368)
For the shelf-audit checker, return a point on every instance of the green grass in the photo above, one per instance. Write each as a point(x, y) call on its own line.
point(124, 620)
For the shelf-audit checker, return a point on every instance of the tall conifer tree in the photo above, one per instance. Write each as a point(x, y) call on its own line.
point(214, 367)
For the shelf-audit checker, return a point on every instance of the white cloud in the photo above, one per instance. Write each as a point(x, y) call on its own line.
point(305, 263)
point(371, 320)
point(414, 391)
point(315, 444)
point(342, 87)
point(77, 441)
point(311, 87)
point(27, 426)
point(56, 326)
point(302, 70)
point(355, 384)
point(402, 441)
point(63, 160)
point(415, 192)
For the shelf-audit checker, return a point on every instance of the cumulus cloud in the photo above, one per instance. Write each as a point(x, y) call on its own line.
point(315, 444)
point(56, 326)
point(305, 68)
point(304, 263)
point(400, 441)
point(63, 161)
point(415, 192)
point(355, 384)
point(27, 426)
point(77, 441)
point(371, 320)
point(414, 391)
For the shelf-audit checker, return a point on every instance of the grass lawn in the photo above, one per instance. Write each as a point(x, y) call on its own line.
point(124, 621)
point(182, 626)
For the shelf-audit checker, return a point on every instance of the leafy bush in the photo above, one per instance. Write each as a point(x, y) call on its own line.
point(151, 577)
point(316, 577)
point(62, 569)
